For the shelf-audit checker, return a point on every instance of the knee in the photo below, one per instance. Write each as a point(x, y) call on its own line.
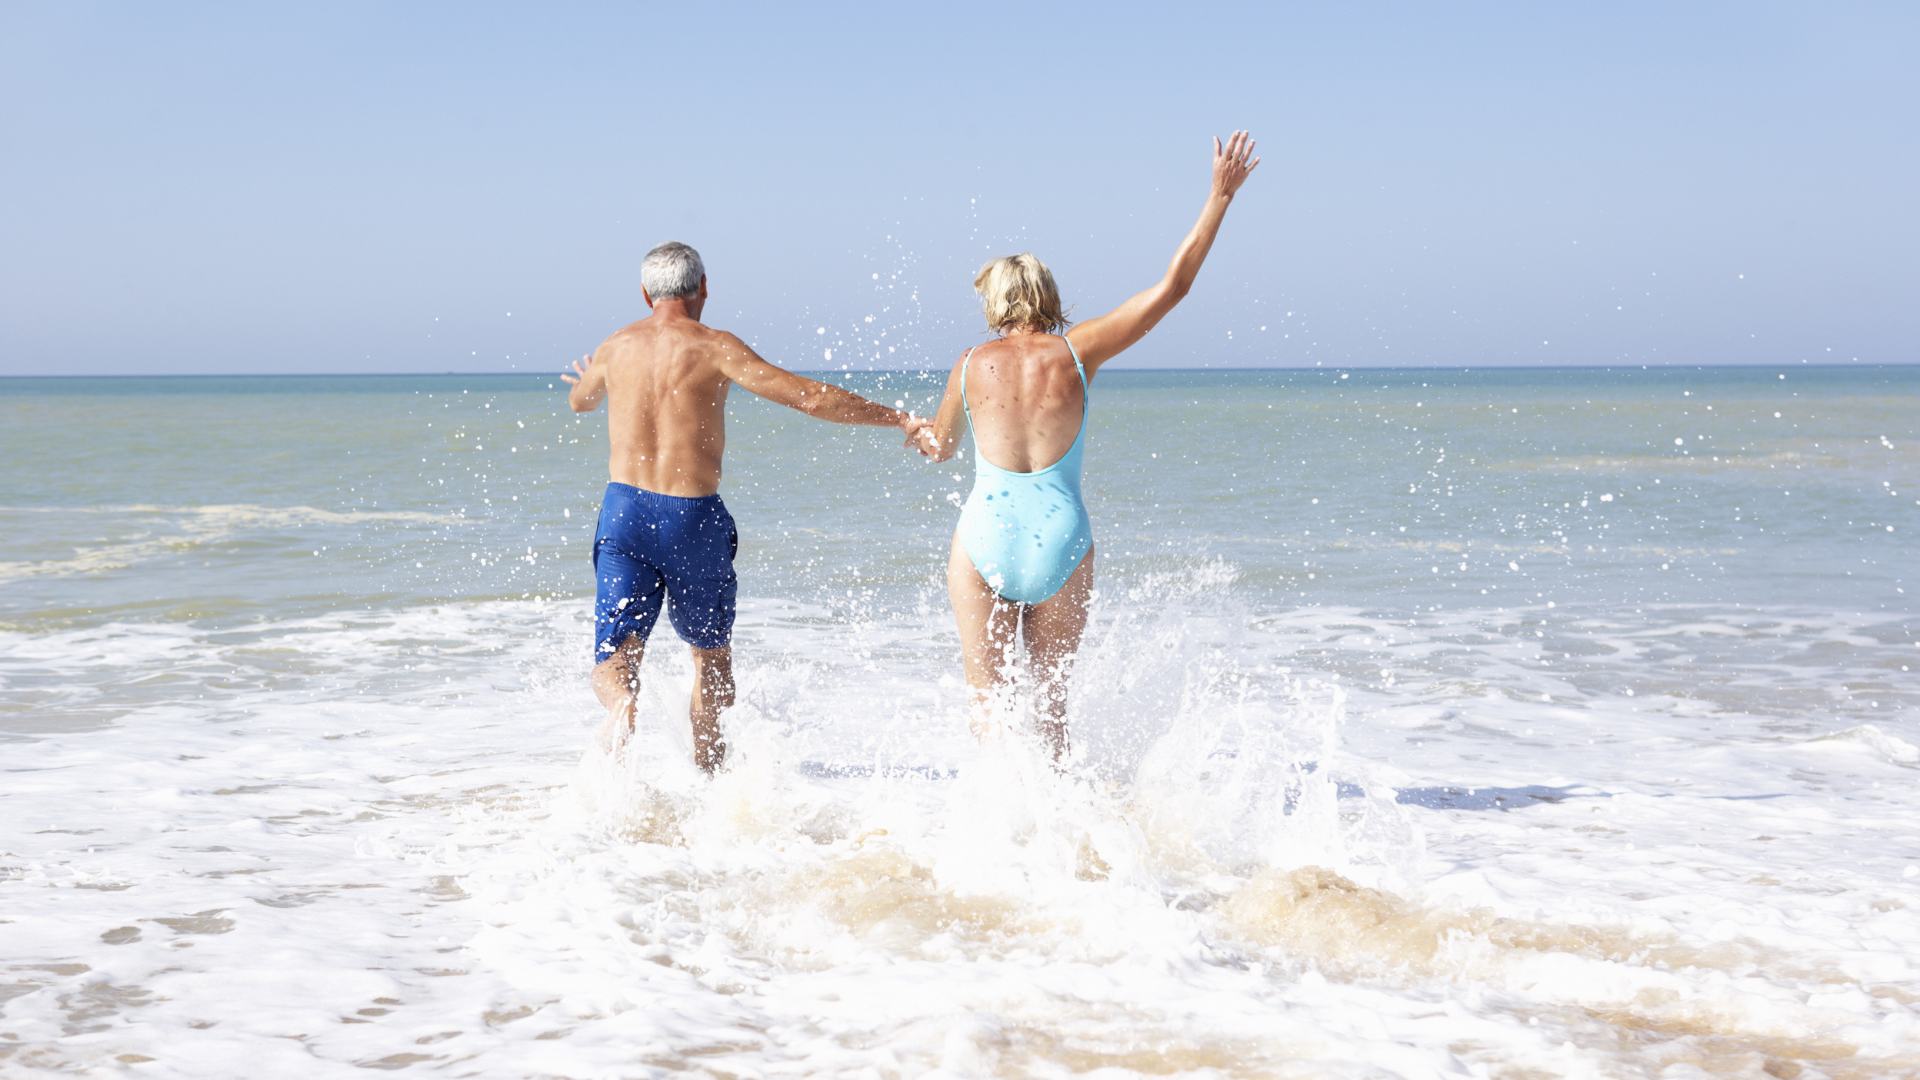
point(623, 664)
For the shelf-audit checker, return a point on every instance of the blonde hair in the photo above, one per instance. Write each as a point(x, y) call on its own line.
point(1017, 292)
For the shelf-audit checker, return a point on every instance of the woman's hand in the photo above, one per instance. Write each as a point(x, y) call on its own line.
point(1232, 164)
point(919, 432)
point(1102, 338)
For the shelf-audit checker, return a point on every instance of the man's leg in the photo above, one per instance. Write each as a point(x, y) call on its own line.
point(628, 593)
point(616, 682)
point(1052, 632)
point(712, 695)
point(987, 626)
point(702, 591)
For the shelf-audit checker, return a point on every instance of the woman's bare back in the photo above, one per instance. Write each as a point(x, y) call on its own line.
point(1026, 400)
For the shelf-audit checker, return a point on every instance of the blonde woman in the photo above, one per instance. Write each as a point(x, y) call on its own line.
point(1021, 566)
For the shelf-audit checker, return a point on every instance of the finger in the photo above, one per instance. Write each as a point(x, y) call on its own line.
point(1251, 165)
point(1246, 152)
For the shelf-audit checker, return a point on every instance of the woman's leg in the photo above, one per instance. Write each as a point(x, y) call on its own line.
point(987, 628)
point(1052, 632)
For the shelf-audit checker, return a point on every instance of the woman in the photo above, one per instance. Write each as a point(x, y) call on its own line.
point(1022, 559)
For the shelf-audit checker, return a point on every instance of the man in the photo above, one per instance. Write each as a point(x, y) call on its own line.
point(664, 534)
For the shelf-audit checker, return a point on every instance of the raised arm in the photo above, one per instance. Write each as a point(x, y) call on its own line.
point(1101, 339)
point(822, 401)
point(587, 386)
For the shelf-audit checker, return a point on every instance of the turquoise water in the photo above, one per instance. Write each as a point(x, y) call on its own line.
point(1372, 488)
point(1431, 723)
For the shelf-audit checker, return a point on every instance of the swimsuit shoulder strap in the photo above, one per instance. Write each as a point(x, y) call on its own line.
point(1077, 365)
point(1086, 395)
point(964, 407)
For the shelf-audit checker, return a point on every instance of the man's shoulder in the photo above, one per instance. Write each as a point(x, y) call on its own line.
point(691, 330)
point(717, 343)
point(682, 344)
point(702, 331)
point(627, 336)
point(649, 335)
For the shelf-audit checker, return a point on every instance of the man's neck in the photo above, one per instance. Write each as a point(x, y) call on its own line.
point(675, 310)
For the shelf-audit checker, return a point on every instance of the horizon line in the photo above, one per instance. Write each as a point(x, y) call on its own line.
point(1737, 364)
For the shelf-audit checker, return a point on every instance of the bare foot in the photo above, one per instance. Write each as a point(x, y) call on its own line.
point(1054, 734)
point(617, 729)
point(984, 720)
point(709, 754)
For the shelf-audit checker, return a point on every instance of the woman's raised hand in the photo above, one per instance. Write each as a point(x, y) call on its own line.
point(1233, 163)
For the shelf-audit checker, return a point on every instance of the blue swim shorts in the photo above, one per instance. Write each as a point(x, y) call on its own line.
point(650, 549)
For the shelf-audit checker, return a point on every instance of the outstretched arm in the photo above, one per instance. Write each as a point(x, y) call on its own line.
point(587, 386)
point(823, 401)
point(1101, 339)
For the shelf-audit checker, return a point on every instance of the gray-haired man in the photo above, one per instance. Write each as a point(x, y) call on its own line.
point(664, 534)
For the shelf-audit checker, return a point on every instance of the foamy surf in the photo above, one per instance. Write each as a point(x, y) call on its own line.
point(295, 878)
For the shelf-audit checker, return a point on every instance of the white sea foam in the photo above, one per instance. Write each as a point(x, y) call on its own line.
point(1891, 747)
point(374, 839)
point(148, 531)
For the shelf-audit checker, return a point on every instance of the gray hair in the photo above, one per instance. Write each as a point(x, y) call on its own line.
point(671, 271)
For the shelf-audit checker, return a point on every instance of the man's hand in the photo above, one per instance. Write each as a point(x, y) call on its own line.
point(586, 385)
point(1233, 164)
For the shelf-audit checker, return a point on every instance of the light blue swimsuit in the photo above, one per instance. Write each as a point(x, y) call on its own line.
point(1026, 532)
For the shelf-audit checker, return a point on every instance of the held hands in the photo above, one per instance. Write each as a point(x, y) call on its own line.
point(1233, 164)
point(919, 432)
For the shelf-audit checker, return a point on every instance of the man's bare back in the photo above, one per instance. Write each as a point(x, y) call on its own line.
point(665, 538)
point(665, 381)
point(666, 404)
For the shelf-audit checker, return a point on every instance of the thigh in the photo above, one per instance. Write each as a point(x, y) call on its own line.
point(627, 596)
point(702, 587)
point(1054, 626)
point(987, 623)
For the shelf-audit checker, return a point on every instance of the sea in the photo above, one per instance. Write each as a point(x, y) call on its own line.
point(1430, 723)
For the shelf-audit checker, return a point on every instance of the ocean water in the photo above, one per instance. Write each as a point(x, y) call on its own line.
point(1431, 723)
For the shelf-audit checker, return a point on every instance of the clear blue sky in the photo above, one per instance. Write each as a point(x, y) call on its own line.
point(416, 187)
